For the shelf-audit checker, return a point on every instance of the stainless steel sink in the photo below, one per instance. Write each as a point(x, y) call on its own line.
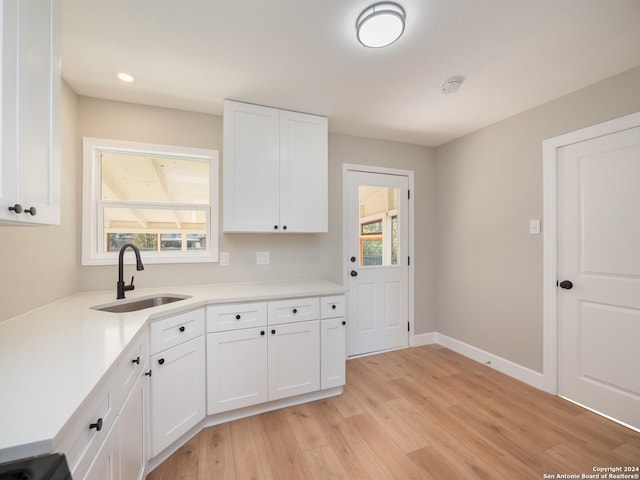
point(139, 304)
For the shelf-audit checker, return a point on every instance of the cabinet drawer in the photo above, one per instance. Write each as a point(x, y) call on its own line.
point(294, 310)
point(332, 307)
point(131, 363)
point(221, 318)
point(77, 440)
point(175, 330)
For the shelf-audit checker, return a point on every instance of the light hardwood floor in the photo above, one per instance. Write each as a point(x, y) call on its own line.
point(419, 413)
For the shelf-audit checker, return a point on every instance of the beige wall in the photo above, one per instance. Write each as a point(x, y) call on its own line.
point(292, 256)
point(39, 263)
point(55, 268)
point(489, 184)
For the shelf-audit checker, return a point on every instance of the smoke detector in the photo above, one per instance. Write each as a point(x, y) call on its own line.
point(451, 85)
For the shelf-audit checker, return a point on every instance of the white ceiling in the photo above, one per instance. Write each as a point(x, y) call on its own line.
point(303, 55)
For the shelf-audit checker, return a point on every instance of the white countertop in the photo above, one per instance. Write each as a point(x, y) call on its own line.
point(52, 357)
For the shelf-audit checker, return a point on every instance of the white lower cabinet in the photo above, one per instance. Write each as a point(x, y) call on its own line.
point(106, 463)
point(177, 384)
point(294, 359)
point(287, 351)
point(133, 432)
point(236, 369)
point(332, 342)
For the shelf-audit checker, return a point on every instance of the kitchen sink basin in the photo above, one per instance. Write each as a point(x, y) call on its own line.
point(139, 304)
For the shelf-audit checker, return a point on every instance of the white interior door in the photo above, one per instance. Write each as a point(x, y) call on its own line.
point(377, 258)
point(599, 253)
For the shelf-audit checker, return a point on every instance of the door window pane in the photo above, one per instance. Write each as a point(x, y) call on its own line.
point(379, 226)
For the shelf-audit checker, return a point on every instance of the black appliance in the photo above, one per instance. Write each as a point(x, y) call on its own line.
point(42, 467)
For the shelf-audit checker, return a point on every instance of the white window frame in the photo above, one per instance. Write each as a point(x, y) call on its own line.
point(93, 226)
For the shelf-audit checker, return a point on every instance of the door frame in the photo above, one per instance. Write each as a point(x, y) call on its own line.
point(550, 187)
point(350, 167)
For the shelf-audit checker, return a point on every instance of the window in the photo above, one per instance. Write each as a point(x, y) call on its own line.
point(378, 225)
point(162, 199)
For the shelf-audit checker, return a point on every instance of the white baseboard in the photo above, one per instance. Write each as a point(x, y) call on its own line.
point(423, 339)
point(524, 374)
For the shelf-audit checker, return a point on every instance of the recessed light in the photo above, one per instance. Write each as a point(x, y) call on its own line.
point(125, 77)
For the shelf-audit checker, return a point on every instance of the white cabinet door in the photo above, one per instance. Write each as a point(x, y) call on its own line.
point(332, 357)
point(236, 369)
point(275, 170)
point(106, 463)
point(177, 392)
point(251, 160)
point(303, 172)
point(294, 359)
point(30, 112)
point(133, 431)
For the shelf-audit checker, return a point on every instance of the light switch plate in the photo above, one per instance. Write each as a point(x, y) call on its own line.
point(262, 258)
point(534, 226)
point(224, 259)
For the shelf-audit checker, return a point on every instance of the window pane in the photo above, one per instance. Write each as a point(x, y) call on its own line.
point(196, 241)
point(115, 241)
point(170, 241)
point(394, 240)
point(371, 251)
point(371, 228)
point(156, 179)
point(379, 226)
point(162, 229)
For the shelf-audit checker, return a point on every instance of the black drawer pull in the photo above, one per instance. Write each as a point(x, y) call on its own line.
point(261, 332)
point(333, 307)
point(295, 310)
point(238, 317)
point(343, 322)
point(181, 329)
point(273, 332)
point(136, 360)
point(161, 361)
point(97, 425)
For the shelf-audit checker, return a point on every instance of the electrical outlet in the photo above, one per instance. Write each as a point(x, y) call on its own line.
point(224, 259)
point(262, 258)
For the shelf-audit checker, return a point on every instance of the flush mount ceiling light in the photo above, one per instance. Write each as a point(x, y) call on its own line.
point(125, 77)
point(380, 25)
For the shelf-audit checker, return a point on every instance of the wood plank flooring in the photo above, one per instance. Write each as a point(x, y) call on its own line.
point(420, 413)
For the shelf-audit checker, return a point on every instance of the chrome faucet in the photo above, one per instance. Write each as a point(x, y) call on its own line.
point(121, 286)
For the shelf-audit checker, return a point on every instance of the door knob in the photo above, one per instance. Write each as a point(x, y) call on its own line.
point(566, 284)
point(354, 273)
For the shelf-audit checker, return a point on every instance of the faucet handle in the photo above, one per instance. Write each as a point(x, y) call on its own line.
point(131, 286)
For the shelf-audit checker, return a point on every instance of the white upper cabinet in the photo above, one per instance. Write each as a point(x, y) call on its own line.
point(275, 170)
point(30, 112)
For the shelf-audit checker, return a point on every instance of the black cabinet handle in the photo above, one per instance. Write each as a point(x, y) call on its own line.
point(353, 273)
point(181, 329)
point(31, 211)
point(97, 425)
point(148, 374)
point(238, 317)
point(273, 332)
point(136, 360)
point(284, 227)
point(275, 227)
point(161, 361)
point(16, 208)
point(566, 284)
point(333, 307)
point(261, 332)
point(344, 322)
point(353, 259)
point(295, 310)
